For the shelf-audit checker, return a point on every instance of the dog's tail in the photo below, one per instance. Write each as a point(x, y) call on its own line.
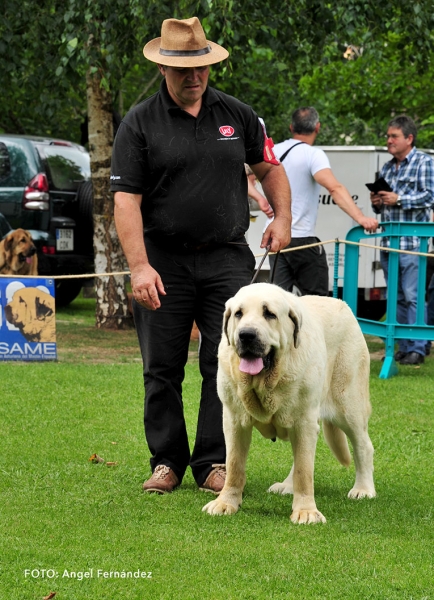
point(337, 442)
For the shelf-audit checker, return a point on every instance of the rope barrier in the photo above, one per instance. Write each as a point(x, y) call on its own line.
point(84, 276)
point(121, 273)
point(339, 241)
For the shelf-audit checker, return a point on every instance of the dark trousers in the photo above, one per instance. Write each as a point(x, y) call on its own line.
point(408, 271)
point(197, 285)
point(307, 269)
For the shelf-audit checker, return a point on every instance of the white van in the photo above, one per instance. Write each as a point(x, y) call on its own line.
point(353, 166)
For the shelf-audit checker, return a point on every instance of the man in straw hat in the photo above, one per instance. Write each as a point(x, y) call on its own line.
point(181, 212)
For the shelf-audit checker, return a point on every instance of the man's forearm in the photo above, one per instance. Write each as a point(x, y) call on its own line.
point(129, 226)
point(343, 199)
point(146, 283)
point(276, 188)
point(418, 199)
point(422, 194)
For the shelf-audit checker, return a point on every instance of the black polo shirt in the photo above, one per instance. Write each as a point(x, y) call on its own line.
point(189, 170)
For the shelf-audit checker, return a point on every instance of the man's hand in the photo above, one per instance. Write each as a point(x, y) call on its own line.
point(277, 235)
point(388, 198)
point(369, 224)
point(376, 200)
point(147, 286)
point(266, 208)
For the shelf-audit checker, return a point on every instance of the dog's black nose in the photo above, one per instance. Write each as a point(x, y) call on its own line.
point(247, 334)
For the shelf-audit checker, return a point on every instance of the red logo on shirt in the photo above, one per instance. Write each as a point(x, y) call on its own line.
point(227, 130)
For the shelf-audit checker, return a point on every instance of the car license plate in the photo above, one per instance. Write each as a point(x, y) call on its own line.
point(64, 239)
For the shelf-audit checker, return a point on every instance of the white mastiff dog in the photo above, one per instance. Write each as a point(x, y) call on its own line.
point(285, 362)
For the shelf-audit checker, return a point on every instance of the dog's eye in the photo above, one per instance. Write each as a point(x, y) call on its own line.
point(238, 314)
point(268, 314)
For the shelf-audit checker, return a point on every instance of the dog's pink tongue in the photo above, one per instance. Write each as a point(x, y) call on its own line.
point(29, 260)
point(252, 366)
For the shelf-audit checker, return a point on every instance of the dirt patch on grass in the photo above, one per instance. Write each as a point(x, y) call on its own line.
point(77, 342)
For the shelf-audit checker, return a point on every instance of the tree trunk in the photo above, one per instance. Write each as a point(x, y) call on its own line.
point(111, 305)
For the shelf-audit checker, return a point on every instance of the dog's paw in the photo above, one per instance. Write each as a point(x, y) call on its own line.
point(357, 493)
point(281, 488)
point(307, 517)
point(218, 507)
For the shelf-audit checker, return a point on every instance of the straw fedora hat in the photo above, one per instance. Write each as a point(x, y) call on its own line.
point(183, 44)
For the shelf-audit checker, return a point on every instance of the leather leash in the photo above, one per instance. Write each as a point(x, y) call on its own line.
point(267, 250)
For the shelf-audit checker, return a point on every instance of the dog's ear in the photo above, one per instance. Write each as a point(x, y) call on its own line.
point(226, 318)
point(5, 251)
point(295, 317)
point(42, 309)
point(9, 242)
point(2, 256)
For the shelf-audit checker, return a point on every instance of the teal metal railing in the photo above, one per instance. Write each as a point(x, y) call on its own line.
point(390, 330)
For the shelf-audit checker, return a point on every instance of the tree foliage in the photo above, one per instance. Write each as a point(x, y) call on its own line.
point(275, 47)
point(358, 97)
point(61, 60)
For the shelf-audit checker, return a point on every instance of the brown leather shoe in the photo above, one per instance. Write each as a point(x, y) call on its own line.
point(163, 481)
point(215, 481)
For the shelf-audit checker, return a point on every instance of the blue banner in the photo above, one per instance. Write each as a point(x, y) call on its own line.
point(27, 319)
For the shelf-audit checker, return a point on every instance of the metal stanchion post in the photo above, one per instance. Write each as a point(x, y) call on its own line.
point(336, 269)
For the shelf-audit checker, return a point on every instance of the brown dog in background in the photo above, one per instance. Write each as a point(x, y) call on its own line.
point(18, 254)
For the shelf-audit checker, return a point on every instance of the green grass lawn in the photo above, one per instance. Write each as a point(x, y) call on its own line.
point(62, 513)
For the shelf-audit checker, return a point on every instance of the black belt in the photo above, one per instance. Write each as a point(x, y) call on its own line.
point(179, 246)
point(198, 247)
point(210, 245)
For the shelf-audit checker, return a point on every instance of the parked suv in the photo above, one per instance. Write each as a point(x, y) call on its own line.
point(45, 187)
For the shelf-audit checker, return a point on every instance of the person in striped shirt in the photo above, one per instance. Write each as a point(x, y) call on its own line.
point(410, 174)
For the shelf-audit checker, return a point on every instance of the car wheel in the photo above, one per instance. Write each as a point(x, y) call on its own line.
point(85, 217)
point(67, 290)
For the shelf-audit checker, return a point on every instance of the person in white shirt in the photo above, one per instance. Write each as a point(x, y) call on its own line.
point(308, 169)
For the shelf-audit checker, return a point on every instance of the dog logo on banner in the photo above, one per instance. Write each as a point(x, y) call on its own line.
point(27, 319)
